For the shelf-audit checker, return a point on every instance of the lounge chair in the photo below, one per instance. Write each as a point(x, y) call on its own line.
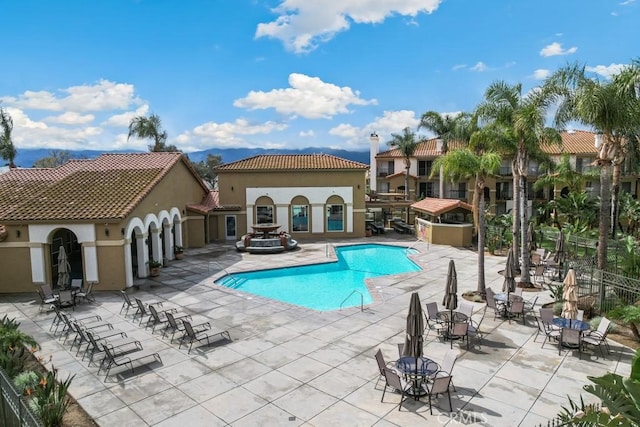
point(137, 355)
point(95, 344)
point(160, 318)
point(142, 310)
point(174, 326)
point(58, 320)
point(126, 303)
point(192, 336)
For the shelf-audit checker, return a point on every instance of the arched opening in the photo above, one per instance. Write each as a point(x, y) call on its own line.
point(335, 208)
point(265, 211)
point(133, 247)
point(65, 240)
point(300, 214)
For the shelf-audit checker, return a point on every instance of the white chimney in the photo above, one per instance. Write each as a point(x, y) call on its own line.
point(373, 166)
point(439, 144)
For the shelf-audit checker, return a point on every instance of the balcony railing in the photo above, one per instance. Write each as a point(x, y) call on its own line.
point(385, 172)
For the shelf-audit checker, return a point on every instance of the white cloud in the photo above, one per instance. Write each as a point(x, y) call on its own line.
point(606, 70)
point(541, 74)
point(479, 67)
point(627, 2)
point(555, 49)
point(303, 24)
point(70, 118)
point(308, 97)
point(227, 134)
point(123, 120)
point(390, 122)
point(307, 133)
point(458, 67)
point(102, 96)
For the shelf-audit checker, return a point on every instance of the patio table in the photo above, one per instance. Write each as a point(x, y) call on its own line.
point(418, 370)
point(561, 322)
point(445, 317)
point(503, 299)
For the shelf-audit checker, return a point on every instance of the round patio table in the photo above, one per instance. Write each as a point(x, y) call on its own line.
point(417, 369)
point(580, 325)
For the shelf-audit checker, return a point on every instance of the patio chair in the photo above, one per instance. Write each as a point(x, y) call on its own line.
point(86, 294)
point(192, 336)
point(571, 338)
point(473, 329)
point(465, 308)
point(431, 316)
point(114, 359)
point(439, 385)
point(394, 381)
point(518, 292)
point(459, 330)
point(46, 299)
point(546, 330)
point(69, 329)
point(382, 364)
point(492, 304)
point(174, 326)
point(76, 285)
point(66, 299)
point(82, 338)
point(546, 314)
point(516, 307)
point(95, 344)
point(538, 275)
point(446, 367)
point(598, 338)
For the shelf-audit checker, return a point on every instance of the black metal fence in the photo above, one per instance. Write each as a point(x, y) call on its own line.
point(14, 409)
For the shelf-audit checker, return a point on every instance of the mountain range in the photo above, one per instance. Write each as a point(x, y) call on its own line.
point(26, 157)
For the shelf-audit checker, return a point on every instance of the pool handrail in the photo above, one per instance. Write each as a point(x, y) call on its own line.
point(412, 246)
point(233, 278)
point(361, 299)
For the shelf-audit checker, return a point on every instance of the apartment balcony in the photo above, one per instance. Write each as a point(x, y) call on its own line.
point(504, 195)
point(385, 172)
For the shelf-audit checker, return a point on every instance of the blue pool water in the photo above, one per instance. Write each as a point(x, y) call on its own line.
point(325, 286)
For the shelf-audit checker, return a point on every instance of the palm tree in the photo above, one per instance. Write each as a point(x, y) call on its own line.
point(149, 127)
point(608, 109)
point(447, 128)
point(7, 149)
point(407, 144)
point(463, 164)
point(523, 119)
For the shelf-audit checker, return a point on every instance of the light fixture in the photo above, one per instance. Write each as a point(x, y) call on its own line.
point(106, 231)
point(232, 188)
point(17, 233)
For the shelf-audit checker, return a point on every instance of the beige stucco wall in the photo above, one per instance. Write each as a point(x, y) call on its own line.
point(177, 189)
point(233, 186)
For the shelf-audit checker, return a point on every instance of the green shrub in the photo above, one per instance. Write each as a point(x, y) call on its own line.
point(50, 399)
point(26, 381)
point(13, 342)
point(557, 308)
point(477, 298)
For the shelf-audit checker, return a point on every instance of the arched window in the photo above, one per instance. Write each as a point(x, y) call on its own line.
point(265, 211)
point(300, 214)
point(335, 214)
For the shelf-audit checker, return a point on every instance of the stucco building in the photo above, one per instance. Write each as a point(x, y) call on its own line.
point(111, 214)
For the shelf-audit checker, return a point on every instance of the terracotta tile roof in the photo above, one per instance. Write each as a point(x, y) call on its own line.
point(403, 173)
point(289, 162)
point(573, 142)
point(105, 188)
point(440, 206)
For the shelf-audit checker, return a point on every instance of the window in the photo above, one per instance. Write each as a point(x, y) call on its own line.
point(300, 217)
point(264, 214)
point(335, 217)
point(424, 167)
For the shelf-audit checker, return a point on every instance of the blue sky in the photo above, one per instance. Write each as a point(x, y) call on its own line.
point(283, 73)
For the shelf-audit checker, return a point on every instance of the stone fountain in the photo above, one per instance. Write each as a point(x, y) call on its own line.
point(266, 239)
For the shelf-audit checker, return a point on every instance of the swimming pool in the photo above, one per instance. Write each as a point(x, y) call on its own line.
point(325, 286)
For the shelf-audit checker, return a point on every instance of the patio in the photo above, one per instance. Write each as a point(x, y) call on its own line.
point(292, 366)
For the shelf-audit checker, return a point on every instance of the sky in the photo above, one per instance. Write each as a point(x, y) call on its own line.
point(283, 73)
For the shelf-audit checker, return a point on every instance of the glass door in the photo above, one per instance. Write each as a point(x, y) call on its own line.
point(230, 227)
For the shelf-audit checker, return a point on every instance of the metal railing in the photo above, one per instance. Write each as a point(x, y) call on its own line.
point(361, 299)
point(14, 410)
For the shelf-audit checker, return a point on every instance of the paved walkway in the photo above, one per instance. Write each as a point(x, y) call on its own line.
point(290, 366)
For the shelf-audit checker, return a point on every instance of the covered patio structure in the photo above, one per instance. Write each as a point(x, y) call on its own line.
point(444, 221)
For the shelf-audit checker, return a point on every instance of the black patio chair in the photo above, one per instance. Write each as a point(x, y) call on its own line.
point(204, 335)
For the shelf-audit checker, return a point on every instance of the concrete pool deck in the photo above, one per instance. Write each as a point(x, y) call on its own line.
point(292, 366)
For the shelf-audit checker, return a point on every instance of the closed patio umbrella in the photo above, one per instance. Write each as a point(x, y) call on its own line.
point(558, 257)
point(450, 300)
point(570, 296)
point(415, 328)
point(509, 284)
point(64, 268)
